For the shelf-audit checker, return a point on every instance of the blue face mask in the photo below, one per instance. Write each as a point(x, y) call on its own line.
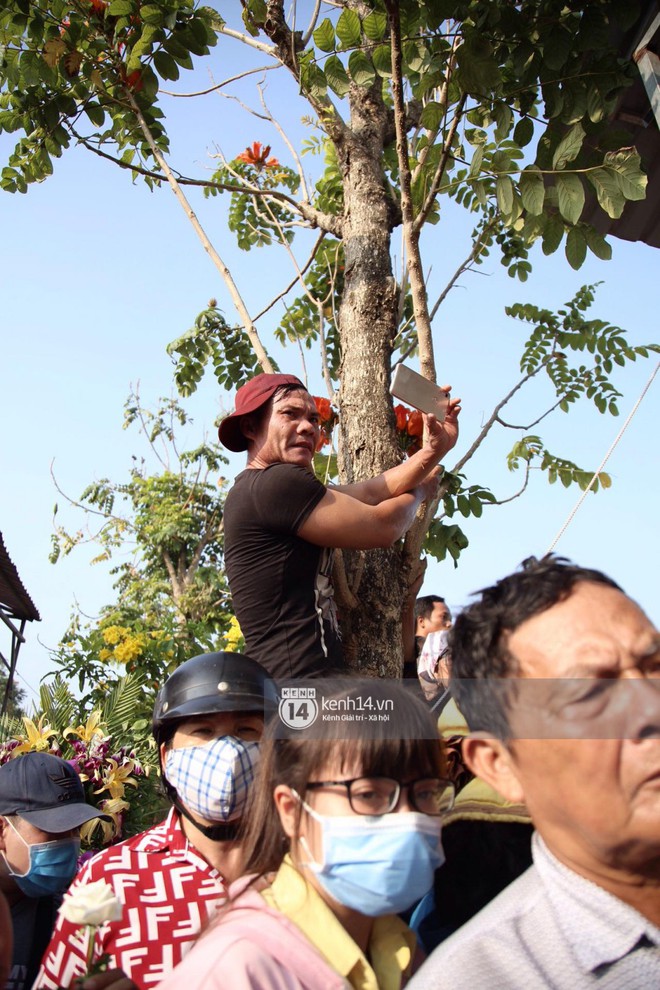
point(377, 865)
point(51, 866)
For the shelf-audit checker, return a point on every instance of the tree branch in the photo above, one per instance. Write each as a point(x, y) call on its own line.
point(422, 216)
point(415, 272)
point(220, 85)
point(465, 266)
point(492, 419)
point(291, 284)
point(261, 46)
point(220, 265)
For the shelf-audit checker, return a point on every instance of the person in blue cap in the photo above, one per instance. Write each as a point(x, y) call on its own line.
point(42, 806)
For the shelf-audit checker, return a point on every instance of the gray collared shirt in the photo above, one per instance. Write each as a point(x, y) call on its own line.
point(551, 928)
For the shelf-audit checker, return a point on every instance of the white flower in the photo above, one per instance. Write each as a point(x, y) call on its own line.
point(91, 904)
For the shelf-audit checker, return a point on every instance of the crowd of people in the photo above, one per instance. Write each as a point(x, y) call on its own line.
point(499, 829)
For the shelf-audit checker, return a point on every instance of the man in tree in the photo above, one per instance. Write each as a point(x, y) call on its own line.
point(208, 720)
point(282, 523)
point(556, 671)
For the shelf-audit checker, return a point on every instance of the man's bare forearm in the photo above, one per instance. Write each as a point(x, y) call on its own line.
point(440, 438)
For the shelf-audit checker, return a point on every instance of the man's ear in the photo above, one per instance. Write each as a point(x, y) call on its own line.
point(4, 825)
point(248, 426)
point(489, 758)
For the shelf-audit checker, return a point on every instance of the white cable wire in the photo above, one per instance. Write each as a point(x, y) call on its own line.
point(603, 462)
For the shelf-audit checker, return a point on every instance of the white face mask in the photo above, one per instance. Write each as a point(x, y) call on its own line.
point(213, 780)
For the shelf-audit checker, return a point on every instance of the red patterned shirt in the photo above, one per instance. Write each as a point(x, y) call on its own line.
point(168, 891)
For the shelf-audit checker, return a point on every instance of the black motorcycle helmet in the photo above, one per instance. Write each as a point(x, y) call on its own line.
point(213, 682)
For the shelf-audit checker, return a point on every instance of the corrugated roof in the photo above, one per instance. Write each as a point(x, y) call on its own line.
point(14, 599)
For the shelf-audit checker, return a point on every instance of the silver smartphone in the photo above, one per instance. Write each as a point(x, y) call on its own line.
point(419, 392)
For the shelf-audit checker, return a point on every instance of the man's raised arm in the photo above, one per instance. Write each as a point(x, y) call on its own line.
point(441, 437)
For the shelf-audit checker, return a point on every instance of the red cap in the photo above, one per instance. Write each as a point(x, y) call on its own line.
point(249, 398)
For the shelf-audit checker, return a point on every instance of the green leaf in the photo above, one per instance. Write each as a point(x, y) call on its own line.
point(532, 190)
point(348, 29)
point(569, 147)
point(95, 113)
point(432, 115)
point(151, 13)
point(313, 80)
point(324, 36)
point(595, 105)
point(504, 191)
point(627, 165)
point(336, 76)
point(552, 235)
point(570, 195)
point(477, 159)
point(597, 244)
point(557, 45)
point(382, 59)
point(374, 25)
point(504, 118)
point(523, 132)
point(576, 248)
point(608, 191)
point(361, 70)
point(121, 8)
point(165, 65)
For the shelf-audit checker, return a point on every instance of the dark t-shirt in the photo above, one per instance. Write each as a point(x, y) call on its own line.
point(280, 584)
point(33, 920)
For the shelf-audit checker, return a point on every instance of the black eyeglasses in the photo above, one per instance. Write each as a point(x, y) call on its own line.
point(380, 795)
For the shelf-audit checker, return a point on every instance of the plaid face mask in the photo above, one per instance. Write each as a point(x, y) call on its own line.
point(213, 780)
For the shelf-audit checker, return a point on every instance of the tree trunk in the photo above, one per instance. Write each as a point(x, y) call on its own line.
point(371, 626)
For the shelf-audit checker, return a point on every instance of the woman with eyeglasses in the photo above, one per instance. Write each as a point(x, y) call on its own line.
point(343, 835)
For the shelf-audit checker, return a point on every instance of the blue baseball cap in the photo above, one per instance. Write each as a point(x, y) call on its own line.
point(46, 791)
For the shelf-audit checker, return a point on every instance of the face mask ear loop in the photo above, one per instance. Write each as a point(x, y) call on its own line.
point(27, 846)
point(311, 863)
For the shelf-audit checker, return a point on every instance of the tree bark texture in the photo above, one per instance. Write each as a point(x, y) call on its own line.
point(371, 621)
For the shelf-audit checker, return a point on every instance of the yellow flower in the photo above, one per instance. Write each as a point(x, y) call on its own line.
point(38, 736)
point(113, 634)
point(116, 777)
point(233, 636)
point(112, 807)
point(93, 727)
point(130, 649)
point(105, 654)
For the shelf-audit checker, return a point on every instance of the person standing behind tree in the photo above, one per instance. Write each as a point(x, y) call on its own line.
point(281, 523)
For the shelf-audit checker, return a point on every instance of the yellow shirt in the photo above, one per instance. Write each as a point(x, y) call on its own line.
point(391, 947)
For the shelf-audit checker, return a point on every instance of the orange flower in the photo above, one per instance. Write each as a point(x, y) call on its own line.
point(257, 157)
point(134, 80)
point(324, 408)
point(415, 424)
point(401, 414)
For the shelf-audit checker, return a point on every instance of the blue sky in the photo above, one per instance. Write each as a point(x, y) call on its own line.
point(98, 274)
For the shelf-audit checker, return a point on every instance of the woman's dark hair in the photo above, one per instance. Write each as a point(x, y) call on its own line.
point(406, 744)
